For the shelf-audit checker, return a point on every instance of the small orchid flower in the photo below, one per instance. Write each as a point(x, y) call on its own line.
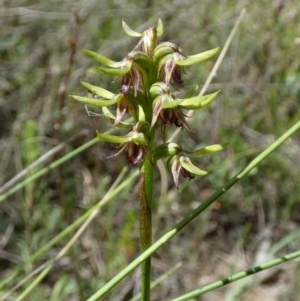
point(134, 143)
point(178, 159)
point(181, 165)
point(171, 65)
point(169, 71)
point(168, 108)
point(148, 38)
point(131, 70)
point(124, 105)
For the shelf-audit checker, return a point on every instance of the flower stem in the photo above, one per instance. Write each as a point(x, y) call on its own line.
point(146, 196)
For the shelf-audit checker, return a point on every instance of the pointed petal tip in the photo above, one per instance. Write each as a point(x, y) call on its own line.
point(100, 58)
point(130, 32)
point(160, 27)
point(197, 58)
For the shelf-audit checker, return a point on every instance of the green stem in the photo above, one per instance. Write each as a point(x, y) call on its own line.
point(146, 197)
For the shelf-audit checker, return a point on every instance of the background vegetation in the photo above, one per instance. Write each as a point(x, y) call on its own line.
point(41, 64)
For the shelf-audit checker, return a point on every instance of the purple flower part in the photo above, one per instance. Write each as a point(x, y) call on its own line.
point(174, 116)
point(176, 169)
point(131, 80)
point(135, 153)
point(186, 174)
point(176, 74)
point(171, 73)
point(126, 82)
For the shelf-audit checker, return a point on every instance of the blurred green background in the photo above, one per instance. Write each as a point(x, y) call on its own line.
point(41, 63)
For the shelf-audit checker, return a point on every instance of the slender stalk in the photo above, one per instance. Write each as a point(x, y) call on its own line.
point(159, 280)
point(146, 200)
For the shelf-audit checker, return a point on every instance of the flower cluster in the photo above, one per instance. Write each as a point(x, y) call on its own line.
point(147, 76)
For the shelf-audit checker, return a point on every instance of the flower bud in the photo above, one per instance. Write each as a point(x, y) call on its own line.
point(166, 150)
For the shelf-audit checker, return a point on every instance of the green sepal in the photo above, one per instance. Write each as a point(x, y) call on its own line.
point(102, 59)
point(112, 138)
point(141, 113)
point(94, 102)
point(189, 166)
point(118, 72)
point(197, 58)
point(198, 102)
point(142, 59)
point(163, 49)
point(207, 150)
point(98, 91)
point(160, 27)
point(129, 31)
point(108, 114)
point(137, 138)
point(166, 150)
point(159, 88)
point(171, 104)
point(142, 126)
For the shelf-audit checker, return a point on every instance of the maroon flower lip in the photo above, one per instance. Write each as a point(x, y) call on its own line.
point(135, 153)
point(175, 117)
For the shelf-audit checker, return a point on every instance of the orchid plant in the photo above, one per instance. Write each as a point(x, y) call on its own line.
point(150, 76)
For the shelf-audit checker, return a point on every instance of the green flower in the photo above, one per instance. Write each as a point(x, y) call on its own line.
point(168, 108)
point(123, 102)
point(181, 165)
point(148, 39)
point(134, 143)
point(178, 159)
point(171, 61)
point(132, 71)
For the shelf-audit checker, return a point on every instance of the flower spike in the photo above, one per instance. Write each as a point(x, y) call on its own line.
point(147, 77)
